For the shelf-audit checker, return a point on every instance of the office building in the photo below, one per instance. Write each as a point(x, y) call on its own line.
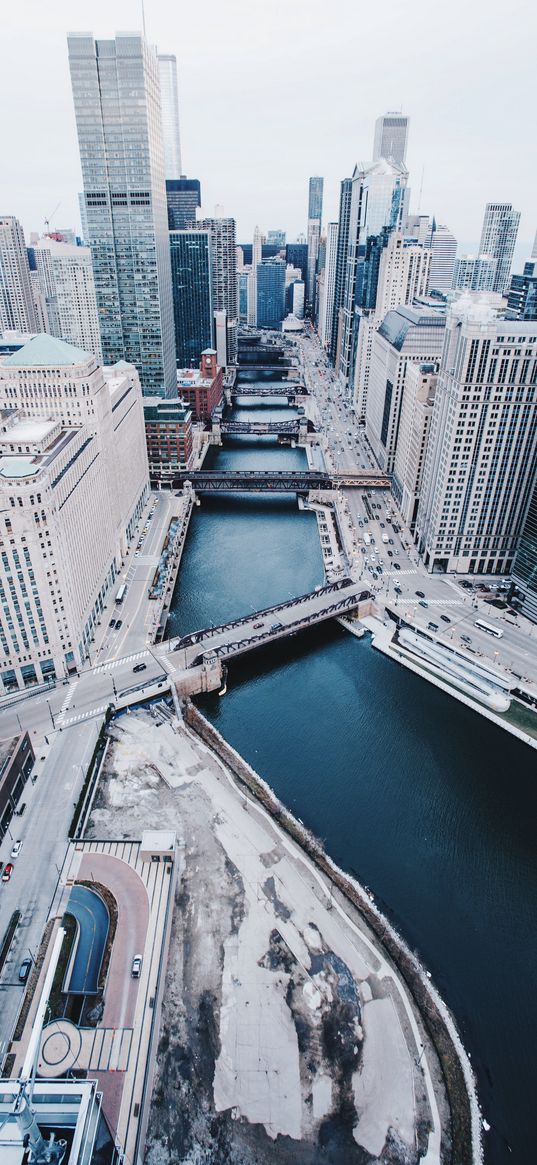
point(17, 309)
point(522, 295)
point(315, 212)
point(169, 103)
point(183, 198)
point(202, 389)
point(444, 252)
point(498, 238)
point(243, 277)
point(416, 410)
point(168, 432)
point(297, 255)
point(377, 202)
point(391, 135)
point(73, 484)
point(65, 277)
point(326, 298)
point(116, 93)
point(276, 239)
point(408, 335)
point(191, 268)
point(17, 760)
point(418, 228)
point(524, 574)
point(224, 281)
point(270, 293)
point(297, 298)
point(345, 195)
point(257, 254)
point(474, 273)
point(482, 449)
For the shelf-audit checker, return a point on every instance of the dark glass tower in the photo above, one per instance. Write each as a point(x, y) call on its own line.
point(270, 293)
point(183, 196)
point(341, 260)
point(190, 253)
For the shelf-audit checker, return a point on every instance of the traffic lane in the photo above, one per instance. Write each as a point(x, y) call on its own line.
point(90, 912)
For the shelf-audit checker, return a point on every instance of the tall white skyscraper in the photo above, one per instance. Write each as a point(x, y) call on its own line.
point(444, 252)
point(224, 284)
point(167, 67)
point(257, 255)
point(116, 93)
point(315, 214)
point(17, 309)
point(65, 275)
point(498, 238)
point(391, 134)
point(326, 304)
point(482, 449)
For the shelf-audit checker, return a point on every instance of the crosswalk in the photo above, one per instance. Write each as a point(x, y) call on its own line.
point(109, 665)
point(60, 719)
point(85, 715)
point(445, 602)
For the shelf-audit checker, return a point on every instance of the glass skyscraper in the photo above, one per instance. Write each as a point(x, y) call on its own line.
point(341, 261)
point(116, 93)
point(190, 253)
point(498, 238)
point(270, 293)
point(167, 67)
point(183, 196)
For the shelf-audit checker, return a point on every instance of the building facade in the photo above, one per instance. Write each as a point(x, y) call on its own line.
point(391, 135)
point(444, 253)
point(202, 390)
point(498, 239)
point(525, 564)
point(73, 483)
point(522, 296)
point(326, 299)
point(345, 195)
point(169, 103)
point(183, 197)
point(474, 273)
point(296, 254)
point(482, 449)
point(168, 431)
point(411, 447)
point(270, 293)
point(17, 309)
point(116, 91)
point(191, 267)
point(315, 214)
point(17, 760)
point(66, 280)
point(224, 278)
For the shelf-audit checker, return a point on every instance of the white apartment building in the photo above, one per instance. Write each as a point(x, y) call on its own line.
point(403, 277)
point(482, 448)
point(65, 275)
point(416, 411)
point(444, 252)
point(474, 273)
point(17, 310)
point(406, 336)
point(498, 238)
point(73, 483)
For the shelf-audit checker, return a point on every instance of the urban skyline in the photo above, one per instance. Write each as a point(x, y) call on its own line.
point(489, 173)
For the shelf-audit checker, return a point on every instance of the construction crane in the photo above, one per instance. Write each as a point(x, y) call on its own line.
point(51, 216)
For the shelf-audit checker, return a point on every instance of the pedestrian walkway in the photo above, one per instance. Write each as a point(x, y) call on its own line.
point(60, 719)
point(109, 664)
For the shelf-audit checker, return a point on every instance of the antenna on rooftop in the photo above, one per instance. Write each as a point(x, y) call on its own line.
point(143, 19)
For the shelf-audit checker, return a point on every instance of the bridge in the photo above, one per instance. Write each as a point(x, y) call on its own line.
point(294, 428)
point(281, 367)
point(278, 481)
point(283, 388)
point(266, 626)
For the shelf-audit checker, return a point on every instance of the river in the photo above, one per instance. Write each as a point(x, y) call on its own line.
point(429, 804)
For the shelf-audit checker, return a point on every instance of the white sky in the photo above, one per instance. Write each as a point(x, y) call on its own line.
point(272, 91)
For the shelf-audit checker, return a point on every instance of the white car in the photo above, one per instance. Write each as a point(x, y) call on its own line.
point(16, 849)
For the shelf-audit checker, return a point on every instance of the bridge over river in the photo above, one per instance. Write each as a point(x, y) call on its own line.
point(251, 631)
point(287, 388)
point(278, 481)
point(294, 428)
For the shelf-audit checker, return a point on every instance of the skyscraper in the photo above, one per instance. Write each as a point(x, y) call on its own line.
point(341, 264)
point(315, 213)
point(391, 134)
point(525, 564)
point(191, 263)
point(444, 252)
point(270, 293)
point(498, 238)
point(482, 449)
point(17, 310)
point(183, 196)
point(116, 94)
point(522, 298)
point(297, 255)
point(169, 100)
point(65, 276)
point(326, 304)
point(474, 273)
point(257, 254)
point(224, 281)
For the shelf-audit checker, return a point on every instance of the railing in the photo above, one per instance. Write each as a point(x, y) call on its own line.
point(278, 481)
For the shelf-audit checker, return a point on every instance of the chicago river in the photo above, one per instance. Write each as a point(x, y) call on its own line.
point(426, 803)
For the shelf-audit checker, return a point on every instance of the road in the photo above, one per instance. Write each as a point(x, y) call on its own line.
point(346, 448)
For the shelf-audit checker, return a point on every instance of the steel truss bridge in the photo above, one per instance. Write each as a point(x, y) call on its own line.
point(242, 635)
point(278, 481)
point(267, 428)
point(282, 388)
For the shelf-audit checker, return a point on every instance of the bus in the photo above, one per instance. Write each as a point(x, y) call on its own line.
point(121, 593)
point(488, 628)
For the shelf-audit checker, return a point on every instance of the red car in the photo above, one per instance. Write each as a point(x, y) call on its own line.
point(8, 870)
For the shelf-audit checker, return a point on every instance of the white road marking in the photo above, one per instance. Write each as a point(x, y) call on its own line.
point(108, 665)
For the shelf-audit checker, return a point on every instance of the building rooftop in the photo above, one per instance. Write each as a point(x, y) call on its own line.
point(15, 467)
point(29, 431)
point(44, 351)
point(7, 748)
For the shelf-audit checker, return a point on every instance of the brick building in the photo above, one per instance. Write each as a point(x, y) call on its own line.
point(202, 389)
point(168, 430)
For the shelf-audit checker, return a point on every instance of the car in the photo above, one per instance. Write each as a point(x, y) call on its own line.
point(112, 623)
point(432, 626)
point(257, 626)
point(390, 553)
point(466, 639)
point(21, 809)
point(119, 623)
point(391, 541)
point(139, 667)
point(374, 573)
point(423, 603)
point(382, 525)
point(445, 618)
point(16, 849)
point(420, 594)
point(136, 967)
point(8, 870)
point(467, 585)
point(24, 970)
point(396, 566)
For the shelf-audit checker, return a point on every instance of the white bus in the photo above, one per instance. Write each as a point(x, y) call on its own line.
point(489, 628)
point(121, 593)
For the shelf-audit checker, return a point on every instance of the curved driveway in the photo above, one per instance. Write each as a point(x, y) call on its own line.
point(133, 917)
point(92, 917)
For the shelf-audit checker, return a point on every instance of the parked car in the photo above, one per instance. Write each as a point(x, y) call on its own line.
point(16, 849)
point(24, 970)
point(112, 623)
point(119, 623)
point(8, 870)
point(136, 968)
point(140, 667)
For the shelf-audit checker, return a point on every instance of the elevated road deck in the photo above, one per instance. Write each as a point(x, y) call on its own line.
point(285, 388)
point(278, 481)
point(267, 428)
point(242, 635)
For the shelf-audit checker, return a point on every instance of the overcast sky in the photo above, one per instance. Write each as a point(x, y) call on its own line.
point(272, 91)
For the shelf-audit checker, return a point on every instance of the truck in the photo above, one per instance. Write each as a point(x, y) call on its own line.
point(367, 538)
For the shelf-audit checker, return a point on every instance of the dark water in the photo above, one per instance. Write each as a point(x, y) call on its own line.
point(429, 804)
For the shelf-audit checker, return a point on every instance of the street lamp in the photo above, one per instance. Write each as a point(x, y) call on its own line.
point(51, 716)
